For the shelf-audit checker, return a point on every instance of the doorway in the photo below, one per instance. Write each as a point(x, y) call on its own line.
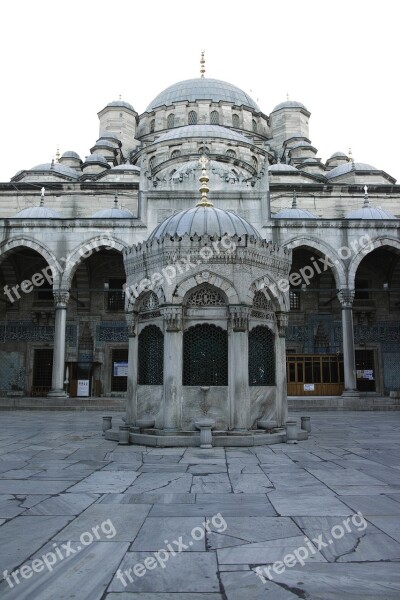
point(365, 370)
point(42, 371)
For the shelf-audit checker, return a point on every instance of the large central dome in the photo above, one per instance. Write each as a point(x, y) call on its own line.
point(202, 88)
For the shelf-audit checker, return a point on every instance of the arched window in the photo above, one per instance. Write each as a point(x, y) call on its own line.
point(205, 295)
point(192, 118)
point(205, 356)
point(254, 125)
point(261, 356)
point(254, 162)
point(214, 118)
point(175, 153)
point(151, 356)
point(231, 153)
point(171, 121)
point(152, 162)
point(152, 125)
point(204, 150)
point(235, 121)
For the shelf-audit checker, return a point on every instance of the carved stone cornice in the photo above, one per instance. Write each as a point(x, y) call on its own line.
point(172, 316)
point(61, 298)
point(239, 316)
point(346, 298)
point(282, 319)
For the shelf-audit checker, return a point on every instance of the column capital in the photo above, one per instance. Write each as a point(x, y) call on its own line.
point(346, 297)
point(282, 319)
point(131, 318)
point(239, 316)
point(172, 316)
point(61, 298)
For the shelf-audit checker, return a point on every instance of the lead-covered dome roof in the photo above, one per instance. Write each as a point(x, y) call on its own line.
point(202, 131)
point(202, 88)
point(202, 220)
point(38, 212)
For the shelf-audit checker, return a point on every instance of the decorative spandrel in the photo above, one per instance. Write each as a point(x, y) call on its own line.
point(151, 356)
point(261, 356)
point(205, 356)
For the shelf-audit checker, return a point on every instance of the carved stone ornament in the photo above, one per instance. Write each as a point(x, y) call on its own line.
point(172, 317)
point(346, 298)
point(283, 321)
point(239, 317)
point(61, 298)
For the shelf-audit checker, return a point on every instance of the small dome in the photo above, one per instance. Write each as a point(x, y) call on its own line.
point(108, 135)
point(339, 155)
point(294, 213)
point(370, 212)
point(71, 154)
point(202, 131)
point(346, 168)
point(56, 168)
point(202, 88)
point(302, 144)
point(113, 213)
point(125, 167)
point(96, 158)
point(282, 167)
point(202, 220)
point(289, 104)
point(38, 212)
point(102, 143)
point(121, 104)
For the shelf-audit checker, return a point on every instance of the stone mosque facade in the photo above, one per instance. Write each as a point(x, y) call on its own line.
point(298, 291)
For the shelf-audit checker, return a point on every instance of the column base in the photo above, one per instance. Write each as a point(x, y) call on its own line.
point(57, 394)
point(350, 394)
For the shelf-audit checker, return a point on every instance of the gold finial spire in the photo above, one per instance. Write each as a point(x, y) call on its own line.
point(204, 189)
point(294, 200)
point(351, 155)
point(116, 201)
point(366, 197)
point(58, 155)
point(287, 95)
point(42, 191)
point(202, 65)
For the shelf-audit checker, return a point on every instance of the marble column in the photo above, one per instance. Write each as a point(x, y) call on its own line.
point(239, 368)
point(61, 298)
point(131, 391)
point(173, 360)
point(280, 369)
point(346, 298)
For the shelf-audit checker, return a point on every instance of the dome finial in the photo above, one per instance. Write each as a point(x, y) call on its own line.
point(58, 155)
point(287, 95)
point(116, 201)
point(294, 201)
point(351, 155)
point(204, 189)
point(202, 65)
point(366, 197)
point(42, 191)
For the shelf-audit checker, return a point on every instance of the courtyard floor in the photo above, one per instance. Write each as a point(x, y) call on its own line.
point(84, 518)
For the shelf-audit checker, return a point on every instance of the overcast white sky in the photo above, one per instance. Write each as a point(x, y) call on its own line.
point(61, 62)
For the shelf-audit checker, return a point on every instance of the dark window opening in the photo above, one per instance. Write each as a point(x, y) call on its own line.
point(115, 295)
point(151, 356)
point(261, 356)
point(205, 356)
point(119, 379)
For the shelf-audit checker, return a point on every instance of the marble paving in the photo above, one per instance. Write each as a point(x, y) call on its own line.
point(83, 518)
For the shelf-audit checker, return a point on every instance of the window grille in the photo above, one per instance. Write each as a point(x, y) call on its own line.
point(254, 162)
point(175, 153)
point(260, 301)
point(254, 126)
point(231, 153)
point(151, 356)
point(204, 150)
point(235, 121)
point(205, 296)
point(192, 118)
point(116, 298)
point(294, 299)
point(261, 356)
point(205, 356)
point(214, 118)
point(149, 306)
point(152, 125)
point(171, 121)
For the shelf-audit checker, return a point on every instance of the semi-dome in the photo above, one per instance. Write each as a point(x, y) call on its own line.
point(282, 167)
point(347, 167)
point(202, 88)
point(38, 212)
point(202, 131)
point(202, 220)
point(294, 213)
point(289, 104)
point(56, 168)
point(339, 155)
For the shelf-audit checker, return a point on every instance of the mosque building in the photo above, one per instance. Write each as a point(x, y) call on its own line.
point(282, 275)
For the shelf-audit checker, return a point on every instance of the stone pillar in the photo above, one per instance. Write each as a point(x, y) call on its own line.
point(173, 360)
point(346, 298)
point(280, 368)
point(239, 368)
point(131, 392)
point(61, 298)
